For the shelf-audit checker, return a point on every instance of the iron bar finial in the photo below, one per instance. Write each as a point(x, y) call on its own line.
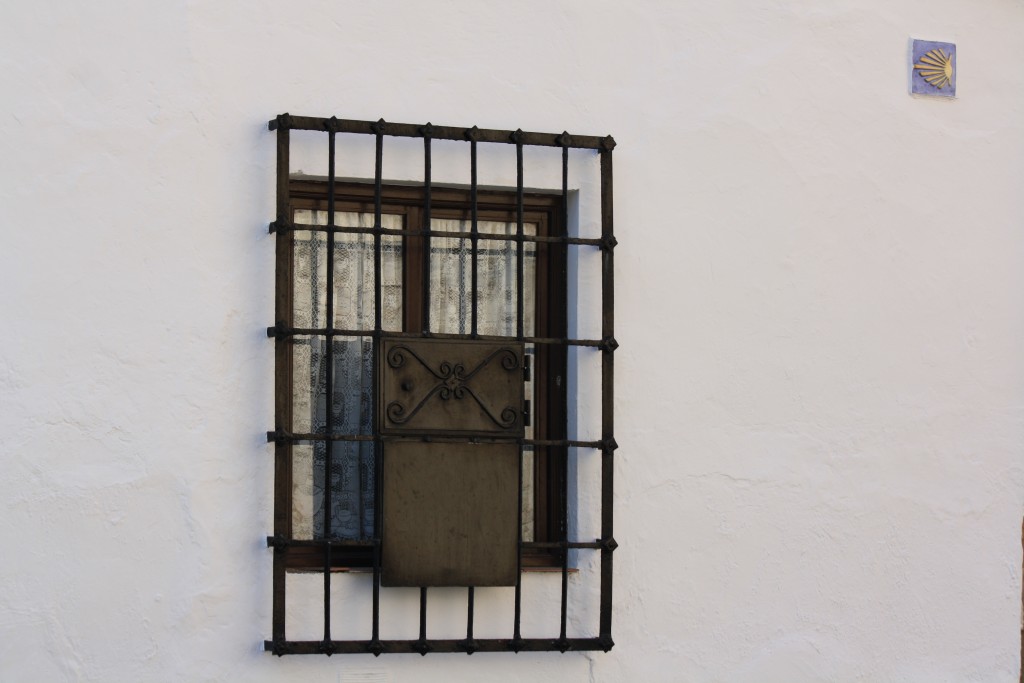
point(278, 543)
point(279, 331)
point(281, 122)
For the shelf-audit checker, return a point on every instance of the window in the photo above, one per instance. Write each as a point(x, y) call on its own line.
point(405, 278)
point(421, 384)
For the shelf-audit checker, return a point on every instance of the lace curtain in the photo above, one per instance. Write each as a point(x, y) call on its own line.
point(352, 475)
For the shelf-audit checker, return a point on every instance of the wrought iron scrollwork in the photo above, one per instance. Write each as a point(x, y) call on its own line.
point(453, 383)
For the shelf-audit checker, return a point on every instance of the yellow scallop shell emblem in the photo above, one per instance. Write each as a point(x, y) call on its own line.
point(936, 67)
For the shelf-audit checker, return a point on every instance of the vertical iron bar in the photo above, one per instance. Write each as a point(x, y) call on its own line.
point(423, 614)
point(516, 634)
point(519, 234)
point(469, 618)
point(564, 512)
point(517, 137)
point(376, 234)
point(327, 588)
point(475, 236)
point(607, 390)
point(361, 477)
point(426, 231)
point(377, 324)
point(329, 372)
point(283, 384)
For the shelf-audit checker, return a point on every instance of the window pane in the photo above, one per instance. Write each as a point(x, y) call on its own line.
point(351, 479)
point(352, 472)
point(353, 273)
point(302, 492)
point(451, 279)
point(310, 276)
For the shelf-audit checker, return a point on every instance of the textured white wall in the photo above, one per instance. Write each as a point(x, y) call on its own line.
point(821, 381)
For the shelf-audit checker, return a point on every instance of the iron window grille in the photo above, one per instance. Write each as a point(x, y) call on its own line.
point(390, 351)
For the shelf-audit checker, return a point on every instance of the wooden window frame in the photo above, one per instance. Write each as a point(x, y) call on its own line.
point(549, 411)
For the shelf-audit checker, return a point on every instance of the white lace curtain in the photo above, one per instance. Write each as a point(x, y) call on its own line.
point(352, 473)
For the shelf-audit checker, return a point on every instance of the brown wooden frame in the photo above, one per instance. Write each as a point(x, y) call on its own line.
point(548, 211)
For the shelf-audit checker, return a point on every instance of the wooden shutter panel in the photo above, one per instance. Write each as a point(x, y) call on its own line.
point(450, 506)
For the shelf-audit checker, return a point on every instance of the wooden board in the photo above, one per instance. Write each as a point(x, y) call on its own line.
point(450, 514)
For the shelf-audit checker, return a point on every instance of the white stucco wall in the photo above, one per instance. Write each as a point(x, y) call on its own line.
point(820, 277)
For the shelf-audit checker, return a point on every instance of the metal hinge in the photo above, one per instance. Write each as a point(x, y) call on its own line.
point(526, 413)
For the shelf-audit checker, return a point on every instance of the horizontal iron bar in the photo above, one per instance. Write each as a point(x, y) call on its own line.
point(416, 130)
point(494, 236)
point(279, 332)
point(593, 545)
point(288, 437)
point(276, 542)
point(570, 443)
point(317, 647)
